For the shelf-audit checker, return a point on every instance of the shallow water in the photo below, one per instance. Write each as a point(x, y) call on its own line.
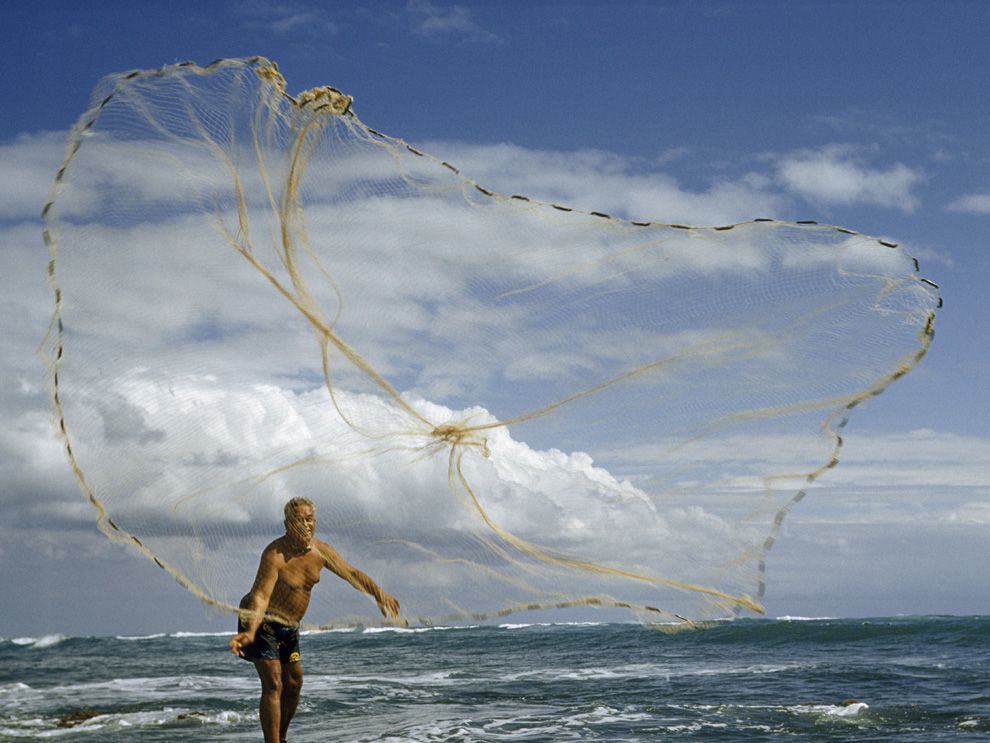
point(913, 678)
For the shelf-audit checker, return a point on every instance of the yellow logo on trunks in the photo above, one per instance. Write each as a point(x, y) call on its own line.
point(294, 658)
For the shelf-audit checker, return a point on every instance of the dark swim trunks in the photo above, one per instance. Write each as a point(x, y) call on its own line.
point(271, 641)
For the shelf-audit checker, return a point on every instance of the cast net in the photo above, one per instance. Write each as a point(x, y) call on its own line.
point(496, 404)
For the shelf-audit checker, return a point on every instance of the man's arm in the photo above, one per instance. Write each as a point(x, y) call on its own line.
point(387, 603)
point(261, 593)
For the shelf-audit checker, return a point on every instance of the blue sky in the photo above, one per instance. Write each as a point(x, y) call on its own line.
point(870, 115)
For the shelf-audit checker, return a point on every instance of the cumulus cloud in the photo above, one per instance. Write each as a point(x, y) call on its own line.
point(227, 457)
point(838, 174)
point(974, 203)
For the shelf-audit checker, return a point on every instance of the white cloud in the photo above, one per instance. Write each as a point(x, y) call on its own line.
point(27, 169)
point(905, 468)
point(431, 20)
point(295, 21)
point(915, 460)
point(836, 174)
point(672, 154)
point(228, 457)
point(972, 512)
point(913, 566)
point(593, 180)
point(298, 18)
point(974, 203)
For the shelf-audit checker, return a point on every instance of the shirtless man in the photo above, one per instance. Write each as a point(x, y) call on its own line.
point(268, 629)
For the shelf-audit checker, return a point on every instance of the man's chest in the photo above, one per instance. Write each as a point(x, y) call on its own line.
point(301, 572)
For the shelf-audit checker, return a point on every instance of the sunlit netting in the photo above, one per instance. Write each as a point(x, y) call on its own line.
point(496, 404)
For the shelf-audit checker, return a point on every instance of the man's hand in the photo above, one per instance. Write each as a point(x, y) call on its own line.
point(388, 606)
point(240, 641)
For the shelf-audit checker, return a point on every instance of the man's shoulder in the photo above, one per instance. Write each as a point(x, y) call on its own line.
point(325, 550)
point(274, 551)
point(324, 547)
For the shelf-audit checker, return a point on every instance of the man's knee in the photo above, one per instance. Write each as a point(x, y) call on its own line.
point(271, 678)
point(292, 678)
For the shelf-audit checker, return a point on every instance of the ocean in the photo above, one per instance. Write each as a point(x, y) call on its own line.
point(887, 679)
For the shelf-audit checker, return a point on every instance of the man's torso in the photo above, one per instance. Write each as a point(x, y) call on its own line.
point(297, 574)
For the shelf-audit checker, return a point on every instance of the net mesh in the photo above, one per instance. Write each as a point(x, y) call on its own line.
point(496, 404)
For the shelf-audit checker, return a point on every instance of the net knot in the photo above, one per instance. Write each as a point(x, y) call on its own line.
point(456, 434)
point(325, 98)
point(272, 75)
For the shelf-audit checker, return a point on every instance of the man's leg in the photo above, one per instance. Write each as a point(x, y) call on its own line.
point(270, 708)
point(292, 679)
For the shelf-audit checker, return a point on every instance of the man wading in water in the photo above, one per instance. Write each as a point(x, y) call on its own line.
point(268, 628)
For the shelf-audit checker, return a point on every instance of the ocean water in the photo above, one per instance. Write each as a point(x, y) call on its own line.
point(912, 679)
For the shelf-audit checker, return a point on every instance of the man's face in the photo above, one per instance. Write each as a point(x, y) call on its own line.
point(301, 524)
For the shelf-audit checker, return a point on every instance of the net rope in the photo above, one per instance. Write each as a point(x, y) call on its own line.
point(497, 404)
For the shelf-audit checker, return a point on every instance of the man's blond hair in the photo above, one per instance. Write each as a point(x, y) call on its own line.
point(293, 504)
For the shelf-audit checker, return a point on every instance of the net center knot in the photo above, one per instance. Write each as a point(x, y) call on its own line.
point(457, 434)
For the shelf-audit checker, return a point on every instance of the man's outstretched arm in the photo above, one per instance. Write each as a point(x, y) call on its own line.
point(257, 605)
point(387, 604)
